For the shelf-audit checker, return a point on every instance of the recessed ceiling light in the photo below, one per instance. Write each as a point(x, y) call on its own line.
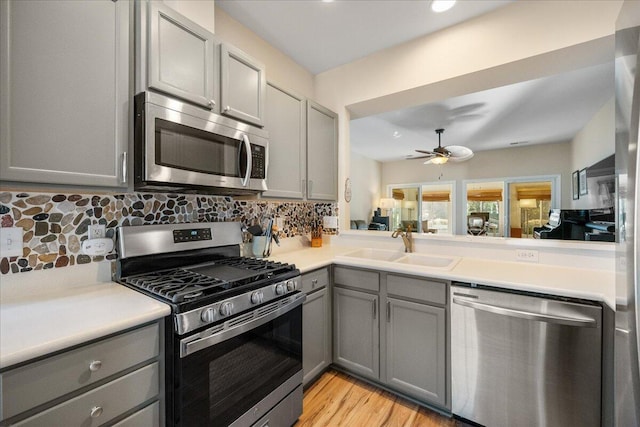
point(442, 5)
point(396, 134)
point(327, 1)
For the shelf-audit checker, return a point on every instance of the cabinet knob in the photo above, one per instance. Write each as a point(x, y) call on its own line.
point(227, 108)
point(314, 283)
point(96, 411)
point(212, 103)
point(95, 365)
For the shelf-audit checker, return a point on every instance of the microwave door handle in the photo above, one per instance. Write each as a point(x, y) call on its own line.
point(247, 146)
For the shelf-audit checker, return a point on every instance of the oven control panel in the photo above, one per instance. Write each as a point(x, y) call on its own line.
point(191, 235)
point(194, 319)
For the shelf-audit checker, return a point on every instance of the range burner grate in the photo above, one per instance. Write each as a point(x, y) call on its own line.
point(254, 264)
point(177, 285)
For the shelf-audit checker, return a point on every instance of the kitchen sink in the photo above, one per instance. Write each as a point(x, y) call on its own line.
point(375, 254)
point(432, 261)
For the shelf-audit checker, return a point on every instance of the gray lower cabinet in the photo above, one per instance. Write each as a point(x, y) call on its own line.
point(415, 350)
point(316, 324)
point(64, 91)
point(356, 332)
point(392, 329)
point(117, 379)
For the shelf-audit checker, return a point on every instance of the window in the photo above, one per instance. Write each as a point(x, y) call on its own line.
point(437, 208)
point(427, 207)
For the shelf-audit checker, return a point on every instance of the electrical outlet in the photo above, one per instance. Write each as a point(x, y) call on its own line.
point(280, 223)
point(528, 255)
point(97, 231)
point(10, 241)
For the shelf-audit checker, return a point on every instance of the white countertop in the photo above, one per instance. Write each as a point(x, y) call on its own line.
point(592, 284)
point(46, 311)
point(34, 324)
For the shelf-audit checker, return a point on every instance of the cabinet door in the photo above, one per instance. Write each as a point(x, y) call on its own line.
point(415, 353)
point(355, 332)
point(285, 121)
point(64, 91)
point(315, 334)
point(322, 153)
point(181, 56)
point(243, 85)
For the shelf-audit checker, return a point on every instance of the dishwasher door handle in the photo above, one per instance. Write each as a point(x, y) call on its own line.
point(548, 318)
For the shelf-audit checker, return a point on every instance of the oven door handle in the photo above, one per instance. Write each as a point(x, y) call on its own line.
point(190, 345)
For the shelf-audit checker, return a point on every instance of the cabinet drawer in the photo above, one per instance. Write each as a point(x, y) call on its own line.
point(314, 280)
point(361, 279)
point(419, 289)
point(148, 417)
point(101, 404)
point(37, 383)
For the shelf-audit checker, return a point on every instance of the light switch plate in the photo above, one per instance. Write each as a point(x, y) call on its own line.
point(10, 241)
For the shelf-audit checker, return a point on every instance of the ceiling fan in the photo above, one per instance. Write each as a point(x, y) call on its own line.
point(441, 155)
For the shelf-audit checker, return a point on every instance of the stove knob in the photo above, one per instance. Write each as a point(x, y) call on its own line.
point(291, 285)
point(208, 315)
point(257, 297)
point(280, 289)
point(226, 309)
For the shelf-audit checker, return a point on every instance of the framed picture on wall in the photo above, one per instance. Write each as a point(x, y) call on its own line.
point(575, 184)
point(582, 180)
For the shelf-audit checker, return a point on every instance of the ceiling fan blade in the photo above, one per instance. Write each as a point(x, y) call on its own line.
point(429, 156)
point(459, 153)
point(426, 152)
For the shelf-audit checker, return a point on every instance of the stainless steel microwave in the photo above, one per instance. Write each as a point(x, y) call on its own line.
point(181, 147)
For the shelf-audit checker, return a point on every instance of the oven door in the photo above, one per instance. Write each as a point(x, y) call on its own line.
point(241, 368)
point(182, 146)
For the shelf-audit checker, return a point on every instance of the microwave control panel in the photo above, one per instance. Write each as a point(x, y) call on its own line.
point(259, 162)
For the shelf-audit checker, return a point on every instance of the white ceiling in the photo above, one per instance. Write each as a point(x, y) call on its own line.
point(320, 36)
point(547, 110)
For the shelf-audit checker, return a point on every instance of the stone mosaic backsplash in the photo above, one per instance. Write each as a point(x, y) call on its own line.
point(56, 224)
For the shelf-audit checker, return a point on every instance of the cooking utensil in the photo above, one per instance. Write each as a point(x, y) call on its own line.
point(256, 230)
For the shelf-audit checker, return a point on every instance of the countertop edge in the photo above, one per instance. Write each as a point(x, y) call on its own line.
point(33, 341)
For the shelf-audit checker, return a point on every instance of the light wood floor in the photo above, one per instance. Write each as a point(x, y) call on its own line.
point(337, 399)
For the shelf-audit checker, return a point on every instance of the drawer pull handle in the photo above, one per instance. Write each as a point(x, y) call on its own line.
point(96, 411)
point(314, 282)
point(95, 365)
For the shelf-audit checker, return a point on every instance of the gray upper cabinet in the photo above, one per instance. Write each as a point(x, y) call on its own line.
point(415, 350)
point(64, 91)
point(285, 120)
point(322, 153)
point(303, 147)
point(182, 60)
point(243, 85)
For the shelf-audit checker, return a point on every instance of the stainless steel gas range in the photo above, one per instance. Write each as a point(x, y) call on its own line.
point(233, 344)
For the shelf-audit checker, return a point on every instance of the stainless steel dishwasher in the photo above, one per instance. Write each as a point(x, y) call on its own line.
point(524, 360)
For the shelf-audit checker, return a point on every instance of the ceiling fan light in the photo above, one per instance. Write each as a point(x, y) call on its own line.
point(440, 160)
point(442, 5)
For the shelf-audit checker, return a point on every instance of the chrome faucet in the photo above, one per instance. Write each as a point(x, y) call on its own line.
point(406, 238)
